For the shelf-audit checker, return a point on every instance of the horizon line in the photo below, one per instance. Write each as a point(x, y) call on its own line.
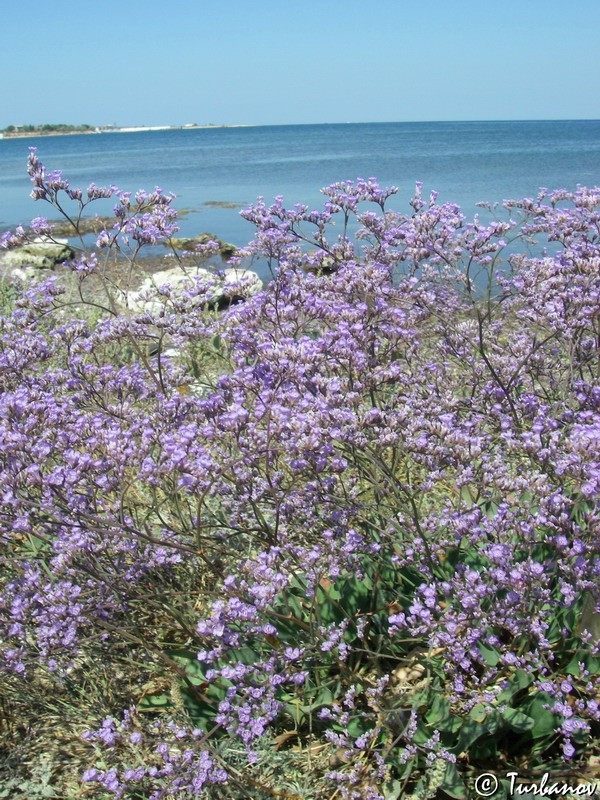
point(208, 125)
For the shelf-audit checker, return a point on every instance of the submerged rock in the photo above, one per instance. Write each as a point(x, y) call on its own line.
point(189, 244)
point(222, 204)
point(95, 224)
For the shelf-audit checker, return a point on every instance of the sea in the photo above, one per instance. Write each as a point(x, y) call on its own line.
point(214, 172)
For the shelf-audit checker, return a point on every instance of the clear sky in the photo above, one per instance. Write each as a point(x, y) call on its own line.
point(157, 62)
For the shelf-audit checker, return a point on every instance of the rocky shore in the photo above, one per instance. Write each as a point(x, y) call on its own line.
point(136, 284)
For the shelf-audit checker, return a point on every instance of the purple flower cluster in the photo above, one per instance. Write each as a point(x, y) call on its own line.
point(387, 461)
point(182, 766)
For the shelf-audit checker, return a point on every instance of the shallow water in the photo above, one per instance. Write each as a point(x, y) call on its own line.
point(465, 162)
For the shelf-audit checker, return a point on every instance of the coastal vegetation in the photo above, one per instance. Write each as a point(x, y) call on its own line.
point(338, 540)
point(49, 129)
point(46, 129)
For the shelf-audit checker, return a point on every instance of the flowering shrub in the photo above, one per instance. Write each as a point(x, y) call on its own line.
point(352, 525)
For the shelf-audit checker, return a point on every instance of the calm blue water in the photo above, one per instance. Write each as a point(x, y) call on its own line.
point(465, 161)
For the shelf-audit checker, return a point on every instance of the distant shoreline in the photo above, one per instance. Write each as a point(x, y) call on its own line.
point(132, 129)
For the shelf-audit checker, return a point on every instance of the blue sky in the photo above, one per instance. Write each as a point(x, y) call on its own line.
point(267, 62)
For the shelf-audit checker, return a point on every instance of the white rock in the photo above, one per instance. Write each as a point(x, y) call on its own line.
point(231, 282)
point(42, 252)
point(148, 296)
point(50, 240)
point(248, 280)
point(26, 274)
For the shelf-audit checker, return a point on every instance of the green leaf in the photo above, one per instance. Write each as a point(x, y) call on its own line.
point(36, 544)
point(491, 720)
point(453, 784)
point(296, 710)
point(494, 722)
point(518, 681)
point(358, 726)
point(293, 601)
point(486, 750)
point(451, 725)
point(478, 713)
point(591, 663)
point(323, 698)
point(245, 655)
point(439, 710)
point(421, 735)
point(470, 731)
point(155, 702)
point(489, 654)
point(545, 721)
point(391, 790)
point(201, 713)
point(367, 582)
point(333, 592)
point(188, 661)
point(354, 595)
point(517, 720)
